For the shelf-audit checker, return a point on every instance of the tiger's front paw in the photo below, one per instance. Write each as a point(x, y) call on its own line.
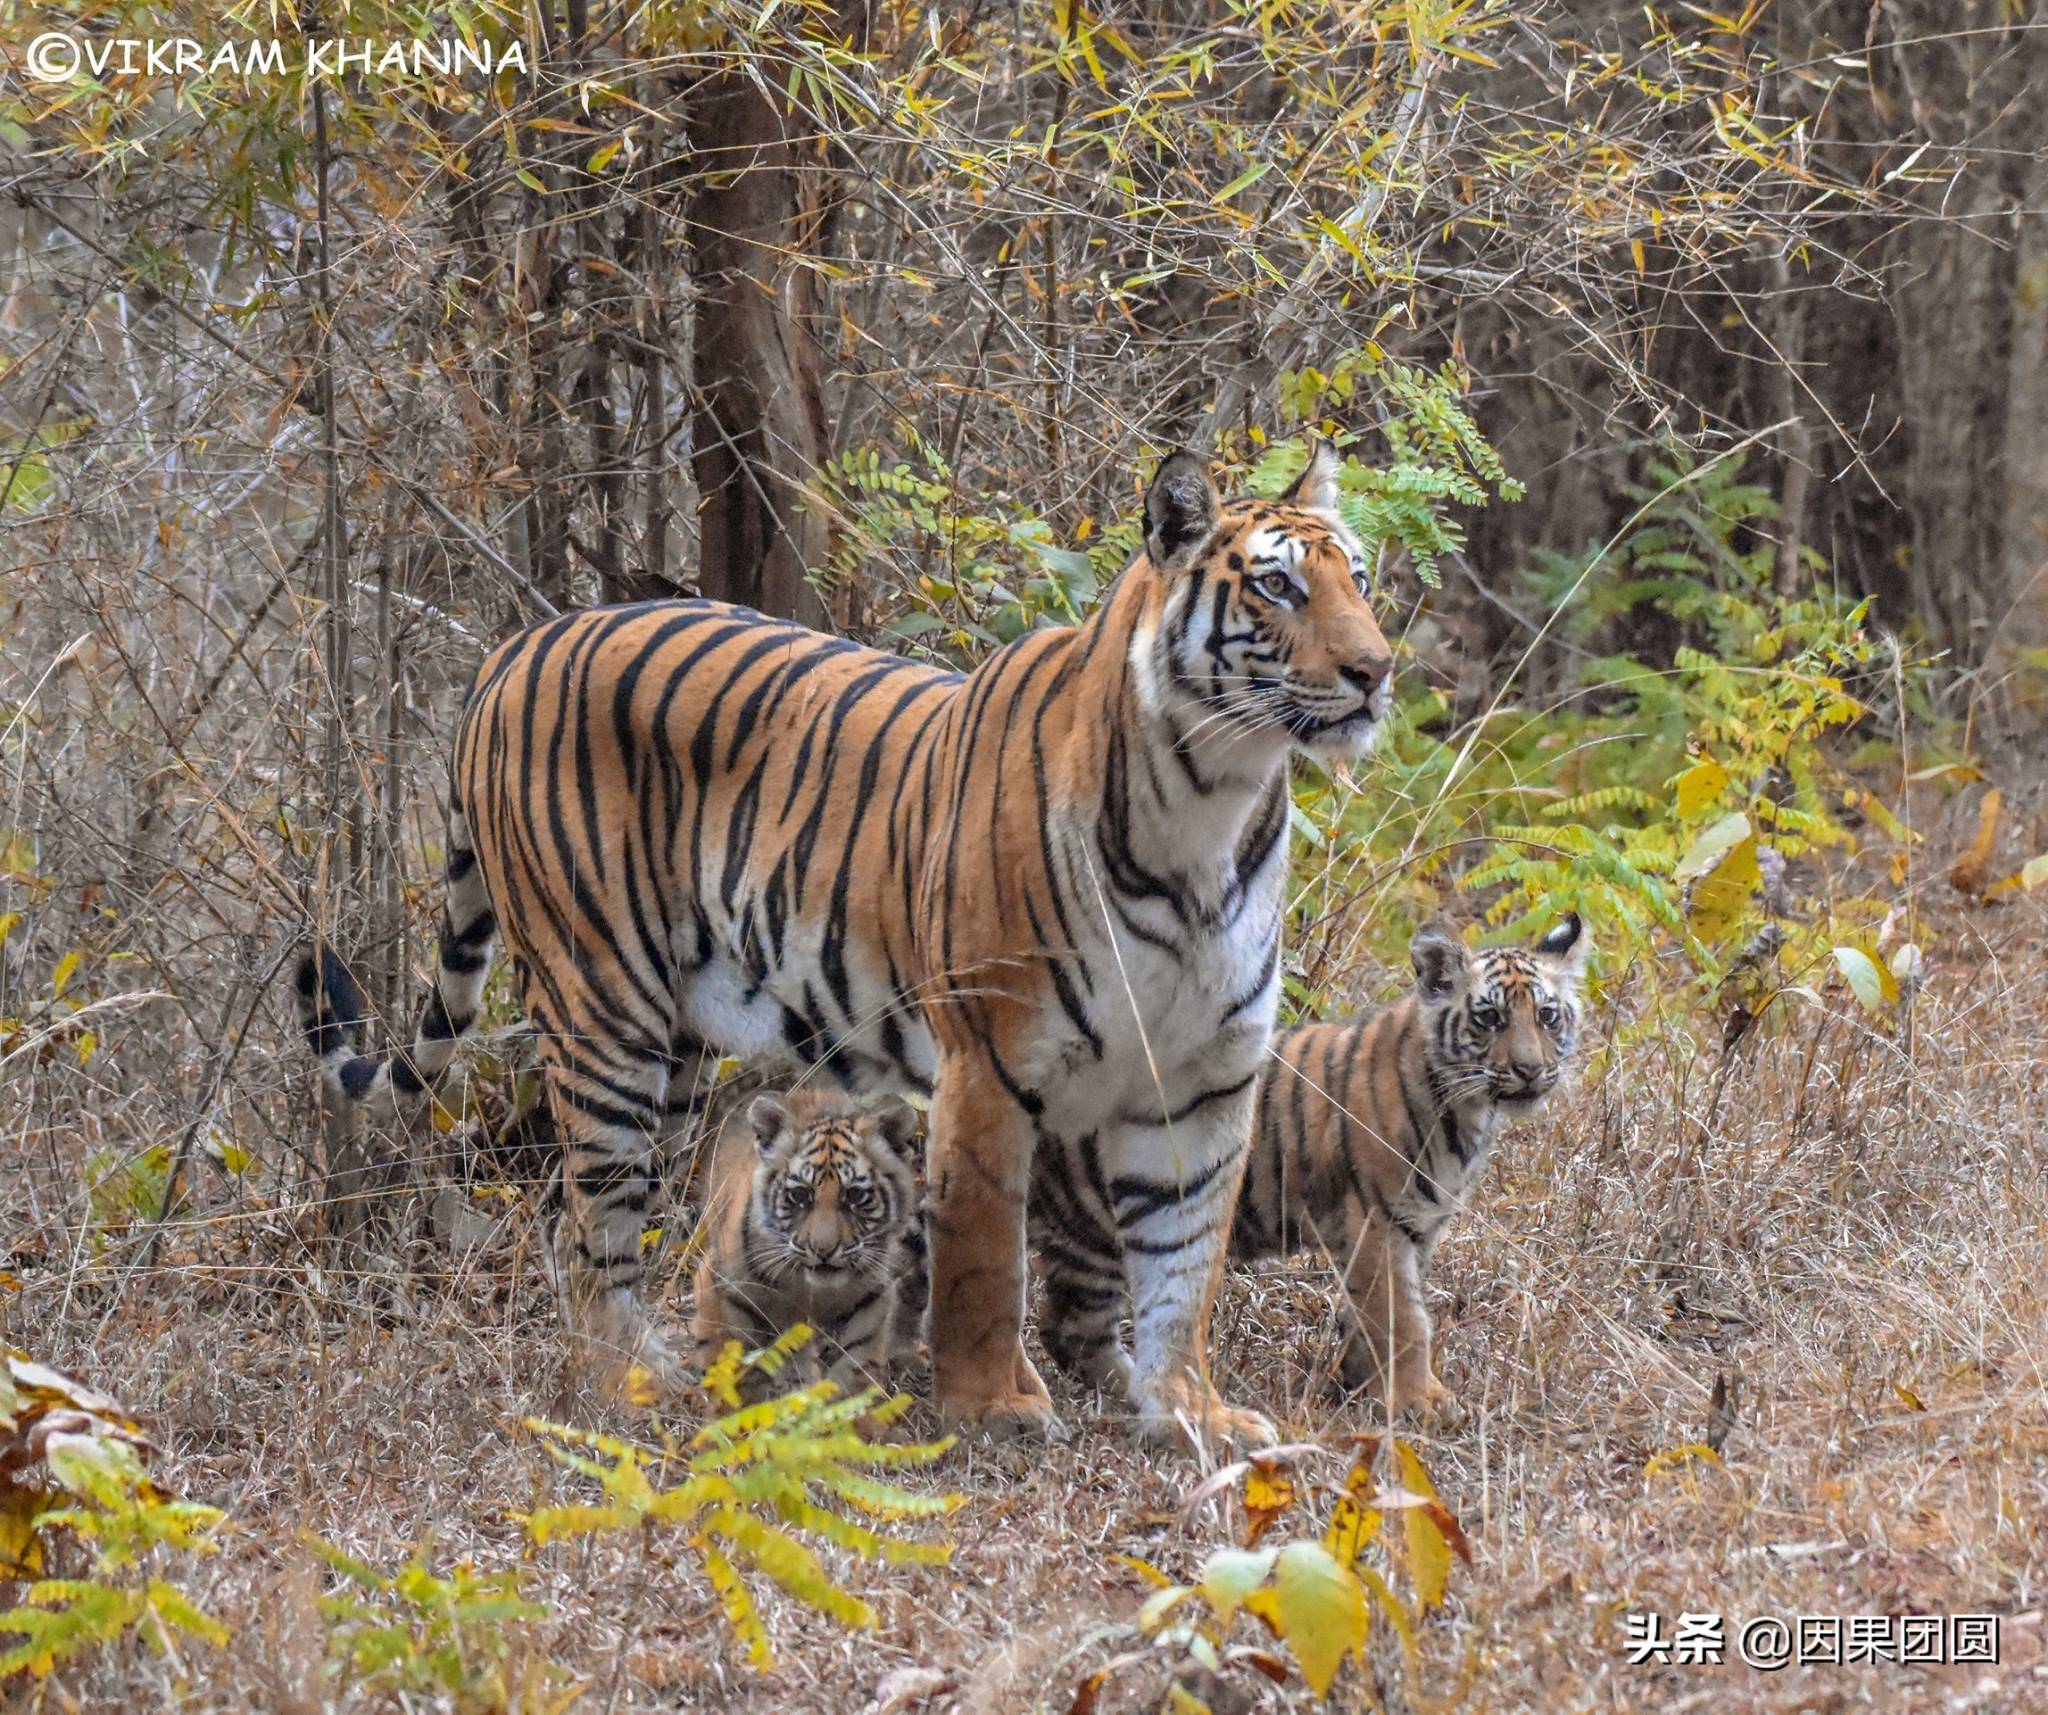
point(1004, 1418)
point(1193, 1414)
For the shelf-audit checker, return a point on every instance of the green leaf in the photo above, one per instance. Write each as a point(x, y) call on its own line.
point(1713, 845)
point(1230, 1575)
point(1243, 182)
point(1869, 981)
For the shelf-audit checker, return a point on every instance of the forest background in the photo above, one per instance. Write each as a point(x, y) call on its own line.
point(1690, 362)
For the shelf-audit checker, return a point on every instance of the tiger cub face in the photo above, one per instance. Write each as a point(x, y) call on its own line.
point(835, 1186)
point(1268, 625)
point(1500, 1022)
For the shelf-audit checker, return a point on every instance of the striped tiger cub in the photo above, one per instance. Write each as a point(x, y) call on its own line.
point(1371, 1133)
point(815, 1216)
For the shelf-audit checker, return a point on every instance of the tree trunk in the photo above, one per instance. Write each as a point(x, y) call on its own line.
point(1964, 70)
point(752, 215)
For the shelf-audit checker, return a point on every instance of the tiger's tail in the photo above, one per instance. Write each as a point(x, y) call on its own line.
point(332, 1005)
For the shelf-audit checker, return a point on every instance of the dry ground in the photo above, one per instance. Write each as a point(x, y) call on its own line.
point(1848, 1223)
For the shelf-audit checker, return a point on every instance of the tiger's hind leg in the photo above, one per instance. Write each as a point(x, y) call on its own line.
point(1386, 1350)
point(608, 1094)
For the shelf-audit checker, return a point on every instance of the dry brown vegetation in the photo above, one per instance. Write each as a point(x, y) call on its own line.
point(311, 393)
point(1843, 1220)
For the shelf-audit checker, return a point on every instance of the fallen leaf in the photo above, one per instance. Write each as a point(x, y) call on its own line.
point(911, 1688)
point(1971, 873)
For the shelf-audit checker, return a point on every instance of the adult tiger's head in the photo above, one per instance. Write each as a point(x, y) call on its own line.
point(836, 1184)
point(1500, 1023)
point(1266, 625)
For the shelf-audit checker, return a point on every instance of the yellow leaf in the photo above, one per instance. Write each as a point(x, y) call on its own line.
point(67, 968)
point(443, 1118)
point(1713, 846)
point(1676, 1458)
point(1911, 1398)
point(738, 1603)
point(1971, 872)
point(1147, 1571)
point(1429, 1549)
point(8, 921)
point(21, 1549)
point(2030, 875)
point(1318, 1606)
point(602, 156)
point(1721, 873)
point(86, 1042)
point(1699, 786)
point(641, 1388)
point(1268, 1492)
point(1635, 250)
point(1353, 1524)
point(1159, 1605)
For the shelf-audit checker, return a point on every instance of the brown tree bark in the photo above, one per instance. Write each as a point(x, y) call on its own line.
point(753, 213)
point(1964, 69)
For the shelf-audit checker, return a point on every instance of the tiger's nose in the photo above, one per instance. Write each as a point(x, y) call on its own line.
point(1367, 673)
point(1527, 1074)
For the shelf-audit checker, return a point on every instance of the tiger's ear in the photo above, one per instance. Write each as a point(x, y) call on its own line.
point(897, 1122)
point(1439, 959)
point(1181, 509)
point(770, 1118)
point(1567, 945)
point(1316, 488)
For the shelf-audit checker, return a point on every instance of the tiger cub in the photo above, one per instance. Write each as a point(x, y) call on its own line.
point(815, 1215)
point(1369, 1134)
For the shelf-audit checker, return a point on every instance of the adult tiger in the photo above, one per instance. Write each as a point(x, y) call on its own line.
point(1049, 892)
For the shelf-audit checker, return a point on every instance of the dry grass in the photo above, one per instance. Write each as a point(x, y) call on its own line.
point(1847, 1223)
